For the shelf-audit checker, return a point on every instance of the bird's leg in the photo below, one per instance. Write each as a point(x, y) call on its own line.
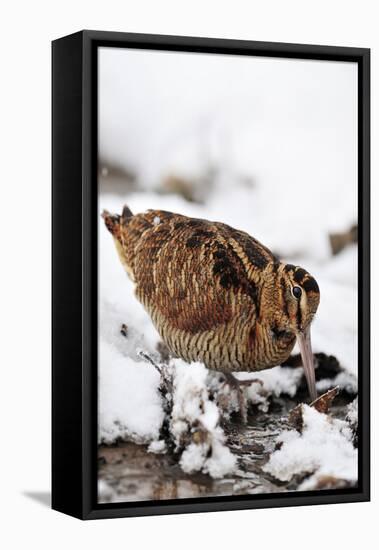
point(237, 384)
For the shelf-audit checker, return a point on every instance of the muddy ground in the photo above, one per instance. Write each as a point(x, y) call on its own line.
point(132, 473)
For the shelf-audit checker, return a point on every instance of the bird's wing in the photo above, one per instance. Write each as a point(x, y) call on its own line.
point(253, 254)
point(197, 274)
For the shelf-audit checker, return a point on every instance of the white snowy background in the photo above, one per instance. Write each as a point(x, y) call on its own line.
point(280, 138)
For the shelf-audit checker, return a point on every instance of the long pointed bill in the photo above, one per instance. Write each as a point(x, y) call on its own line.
point(304, 341)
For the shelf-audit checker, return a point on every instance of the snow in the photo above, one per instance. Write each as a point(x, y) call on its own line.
point(158, 446)
point(127, 387)
point(344, 380)
point(193, 413)
point(324, 449)
point(288, 127)
point(352, 414)
point(334, 330)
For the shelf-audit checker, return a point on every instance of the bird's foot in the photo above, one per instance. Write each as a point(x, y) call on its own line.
point(236, 384)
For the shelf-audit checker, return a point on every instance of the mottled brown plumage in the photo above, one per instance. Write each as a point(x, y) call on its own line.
point(214, 293)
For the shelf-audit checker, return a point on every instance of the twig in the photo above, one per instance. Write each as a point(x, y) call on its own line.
point(147, 357)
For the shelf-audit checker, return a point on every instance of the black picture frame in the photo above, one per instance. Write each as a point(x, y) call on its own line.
point(74, 272)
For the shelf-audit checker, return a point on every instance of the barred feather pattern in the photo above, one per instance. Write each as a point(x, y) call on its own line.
point(214, 293)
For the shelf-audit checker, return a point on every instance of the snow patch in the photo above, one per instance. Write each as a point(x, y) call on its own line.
point(126, 388)
point(323, 449)
point(275, 382)
point(195, 424)
point(158, 447)
point(352, 413)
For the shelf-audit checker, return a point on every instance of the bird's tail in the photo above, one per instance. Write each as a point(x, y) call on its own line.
point(118, 227)
point(114, 221)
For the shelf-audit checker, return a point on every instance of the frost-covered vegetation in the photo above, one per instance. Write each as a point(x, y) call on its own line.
point(279, 161)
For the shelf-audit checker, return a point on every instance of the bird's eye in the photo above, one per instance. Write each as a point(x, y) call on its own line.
point(296, 291)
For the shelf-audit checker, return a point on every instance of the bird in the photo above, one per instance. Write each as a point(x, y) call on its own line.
point(215, 294)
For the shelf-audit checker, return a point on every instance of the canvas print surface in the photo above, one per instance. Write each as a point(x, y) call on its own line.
point(227, 257)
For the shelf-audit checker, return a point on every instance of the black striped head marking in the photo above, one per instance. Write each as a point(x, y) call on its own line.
point(300, 297)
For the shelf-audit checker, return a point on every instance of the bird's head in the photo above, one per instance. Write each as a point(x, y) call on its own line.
point(297, 297)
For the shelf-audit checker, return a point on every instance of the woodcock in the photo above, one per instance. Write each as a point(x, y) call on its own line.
point(214, 293)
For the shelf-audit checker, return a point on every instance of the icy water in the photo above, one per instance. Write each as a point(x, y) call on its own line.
point(132, 473)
